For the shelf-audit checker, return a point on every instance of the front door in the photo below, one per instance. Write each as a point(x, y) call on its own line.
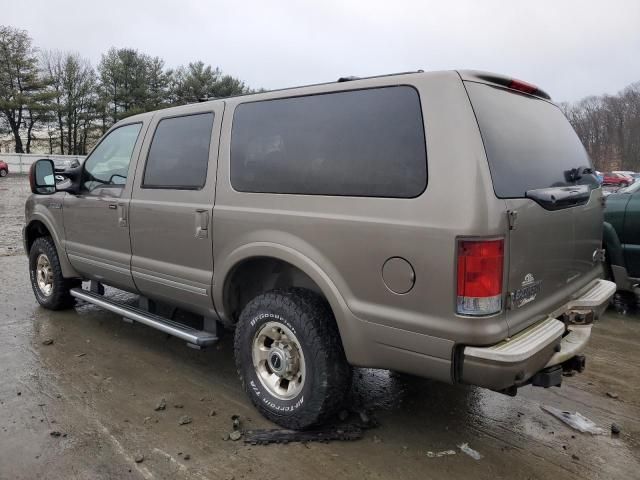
point(172, 208)
point(95, 220)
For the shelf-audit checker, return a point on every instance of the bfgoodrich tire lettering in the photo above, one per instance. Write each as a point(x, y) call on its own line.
point(43, 251)
point(327, 375)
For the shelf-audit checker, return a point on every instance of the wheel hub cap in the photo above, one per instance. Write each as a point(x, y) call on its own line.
point(44, 275)
point(278, 360)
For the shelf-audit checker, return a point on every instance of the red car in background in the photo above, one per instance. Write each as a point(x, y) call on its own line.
point(4, 169)
point(617, 179)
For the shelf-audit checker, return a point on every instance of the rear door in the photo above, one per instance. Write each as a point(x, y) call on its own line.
point(172, 207)
point(540, 168)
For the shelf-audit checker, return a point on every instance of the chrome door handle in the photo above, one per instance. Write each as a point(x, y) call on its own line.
point(202, 224)
point(123, 214)
point(113, 206)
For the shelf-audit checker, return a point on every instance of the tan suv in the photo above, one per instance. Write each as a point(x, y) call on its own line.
point(443, 224)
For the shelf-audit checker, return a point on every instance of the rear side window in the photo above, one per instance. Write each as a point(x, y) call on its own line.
point(179, 153)
point(360, 143)
point(529, 143)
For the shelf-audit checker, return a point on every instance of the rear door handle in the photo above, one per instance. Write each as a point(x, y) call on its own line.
point(113, 206)
point(123, 213)
point(202, 223)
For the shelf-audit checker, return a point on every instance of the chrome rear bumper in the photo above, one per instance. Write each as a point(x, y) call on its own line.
point(545, 344)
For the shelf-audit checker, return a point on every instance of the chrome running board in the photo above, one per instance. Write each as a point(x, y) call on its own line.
point(190, 335)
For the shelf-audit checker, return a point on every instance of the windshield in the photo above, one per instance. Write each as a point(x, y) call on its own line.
point(530, 145)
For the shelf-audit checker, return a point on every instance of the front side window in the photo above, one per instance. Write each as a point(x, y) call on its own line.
point(108, 164)
point(366, 143)
point(179, 153)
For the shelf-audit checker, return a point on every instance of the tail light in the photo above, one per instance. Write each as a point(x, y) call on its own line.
point(480, 264)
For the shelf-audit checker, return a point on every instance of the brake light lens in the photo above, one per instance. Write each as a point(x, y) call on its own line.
point(480, 264)
point(523, 86)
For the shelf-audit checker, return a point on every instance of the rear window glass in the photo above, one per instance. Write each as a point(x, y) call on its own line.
point(358, 143)
point(529, 143)
point(179, 153)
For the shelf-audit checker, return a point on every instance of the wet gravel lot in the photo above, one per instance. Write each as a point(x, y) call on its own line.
point(83, 405)
point(14, 190)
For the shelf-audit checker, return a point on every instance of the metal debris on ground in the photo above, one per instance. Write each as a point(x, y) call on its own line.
point(266, 436)
point(184, 420)
point(444, 453)
point(236, 421)
point(575, 420)
point(465, 448)
point(236, 433)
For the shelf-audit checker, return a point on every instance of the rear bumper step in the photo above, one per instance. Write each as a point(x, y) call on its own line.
point(543, 346)
point(183, 332)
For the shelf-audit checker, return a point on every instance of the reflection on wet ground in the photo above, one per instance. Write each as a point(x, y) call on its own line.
point(100, 380)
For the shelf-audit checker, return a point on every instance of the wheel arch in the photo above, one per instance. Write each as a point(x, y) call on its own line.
point(41, 226)
point(612, 245)
point(292, 268)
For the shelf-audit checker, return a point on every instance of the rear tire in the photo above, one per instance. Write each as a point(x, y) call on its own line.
point(49, 286)
point(290, 358)
point(3, 173)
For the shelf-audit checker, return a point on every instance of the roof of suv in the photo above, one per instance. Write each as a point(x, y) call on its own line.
point(503, 81)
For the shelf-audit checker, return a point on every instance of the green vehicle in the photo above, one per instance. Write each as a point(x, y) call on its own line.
point(622, 236)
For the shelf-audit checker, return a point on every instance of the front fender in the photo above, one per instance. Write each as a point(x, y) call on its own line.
point(40, 209)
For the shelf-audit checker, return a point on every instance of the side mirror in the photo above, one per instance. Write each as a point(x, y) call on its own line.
point(42, 177)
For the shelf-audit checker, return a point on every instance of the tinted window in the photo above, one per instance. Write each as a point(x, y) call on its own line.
point(108, 164)
point(360, 143)
point(530, 144)
point(179, 153)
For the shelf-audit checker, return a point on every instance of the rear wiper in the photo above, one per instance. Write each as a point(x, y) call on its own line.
point(557, 198)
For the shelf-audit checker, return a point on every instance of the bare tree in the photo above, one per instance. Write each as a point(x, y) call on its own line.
point(609, 127)
point(72, 84)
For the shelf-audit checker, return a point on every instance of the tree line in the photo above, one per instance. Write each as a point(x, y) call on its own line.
point(609, 127)
point(61, 95)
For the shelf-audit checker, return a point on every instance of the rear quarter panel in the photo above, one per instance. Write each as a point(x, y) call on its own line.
point(343, 242)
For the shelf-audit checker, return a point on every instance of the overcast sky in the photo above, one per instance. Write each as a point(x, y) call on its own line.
point(569, 48)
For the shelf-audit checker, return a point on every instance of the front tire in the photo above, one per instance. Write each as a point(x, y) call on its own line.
point(3, 172)
point(49, 286)
point(290, 358)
